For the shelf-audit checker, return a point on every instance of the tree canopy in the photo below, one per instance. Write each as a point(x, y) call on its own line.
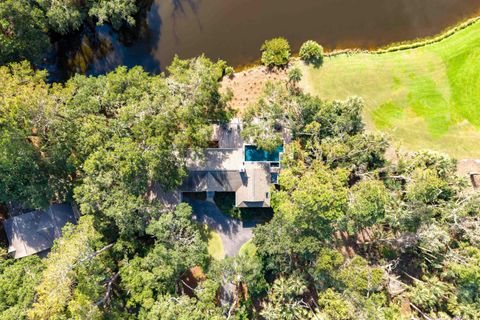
point(354, 234)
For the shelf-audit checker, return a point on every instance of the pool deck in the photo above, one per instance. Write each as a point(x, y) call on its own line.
point(217, 160)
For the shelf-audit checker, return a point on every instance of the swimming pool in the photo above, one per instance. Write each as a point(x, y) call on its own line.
point(252, 153)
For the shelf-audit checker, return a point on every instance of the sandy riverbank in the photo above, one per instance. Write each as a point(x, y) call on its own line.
point(248, 85)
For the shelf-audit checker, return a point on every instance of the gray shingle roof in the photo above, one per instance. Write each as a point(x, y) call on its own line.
point(199, 181)
point(35, 231)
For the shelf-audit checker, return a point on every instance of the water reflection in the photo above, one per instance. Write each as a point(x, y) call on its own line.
point(234, 29)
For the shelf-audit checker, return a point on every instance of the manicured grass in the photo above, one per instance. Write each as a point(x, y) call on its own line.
point(424, 98)
point(248, 249)
point(215, 245)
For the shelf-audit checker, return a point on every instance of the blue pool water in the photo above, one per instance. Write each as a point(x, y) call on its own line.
point(252, 153)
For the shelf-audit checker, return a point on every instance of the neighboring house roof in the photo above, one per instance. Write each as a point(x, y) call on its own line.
point(35, 231)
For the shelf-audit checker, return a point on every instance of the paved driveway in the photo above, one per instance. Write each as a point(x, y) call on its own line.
point(233, 232)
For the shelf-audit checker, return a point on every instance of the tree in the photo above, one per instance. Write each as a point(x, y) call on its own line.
point(59, 289)
point(32, 164)
point(284, 300)
point(184, 308)
point(23, 32)
point(333, 306)
point(147, 142)
point(312, 52)
point(116, 12)
point(367, 205)
point(266, 121)
point(294, 76)
point(64, 15)
point(308, 207)
point(275, 52)
point(18, 279)
point(178, 247)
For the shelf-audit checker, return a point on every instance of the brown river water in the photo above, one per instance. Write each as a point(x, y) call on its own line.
point(234, 30)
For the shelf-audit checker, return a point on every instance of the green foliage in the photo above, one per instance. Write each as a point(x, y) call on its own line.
point(18, 279)
point(312, 52)
point(307, 207)
point(178, 247)
point(229, 71)
point(294, 75)
point(59, 289)
point(368, 200)
point(284, 300)
point(243, 269)
point(116, 12)
point(333, 306)
point(32, 165)
point(185, 308)
point(23, 32)
point(65, 16)
point(430, 294)
point(146, 142)
point(266, 121)
point(359, 276)
point(275, 52)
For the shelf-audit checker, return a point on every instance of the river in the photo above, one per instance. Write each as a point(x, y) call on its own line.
point(234, 30)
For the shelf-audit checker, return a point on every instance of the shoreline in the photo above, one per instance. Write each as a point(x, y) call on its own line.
point(247, 84)
point(392, 47)
point(249, 79)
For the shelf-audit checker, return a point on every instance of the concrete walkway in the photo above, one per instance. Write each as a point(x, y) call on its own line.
point(233, 232)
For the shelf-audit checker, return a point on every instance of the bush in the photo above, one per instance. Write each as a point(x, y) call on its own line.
point(312, 52)
point(295, 75)
point(275, 52)
point(229, 71)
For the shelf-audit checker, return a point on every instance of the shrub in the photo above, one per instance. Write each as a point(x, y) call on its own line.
point(295, 75)
point(229, 71)
point(275, 52)
point(312, 52)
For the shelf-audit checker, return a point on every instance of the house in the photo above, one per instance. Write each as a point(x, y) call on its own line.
point(34, 232)
point(230, 165)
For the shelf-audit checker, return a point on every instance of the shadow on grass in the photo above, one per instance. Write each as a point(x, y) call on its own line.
point(213, 240)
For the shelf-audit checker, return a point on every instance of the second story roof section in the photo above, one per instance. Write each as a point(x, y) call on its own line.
point(255, 189)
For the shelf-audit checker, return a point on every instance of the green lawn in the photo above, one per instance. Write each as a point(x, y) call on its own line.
point(424, 98)
point(215, 245)
point(248, 249)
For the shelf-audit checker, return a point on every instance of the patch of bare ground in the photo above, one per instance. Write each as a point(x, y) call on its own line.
point(470, 169)
point(247, 85)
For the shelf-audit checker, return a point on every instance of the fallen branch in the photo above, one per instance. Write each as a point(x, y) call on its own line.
point(96, 253)
point(420, 311)
point(106, 297)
